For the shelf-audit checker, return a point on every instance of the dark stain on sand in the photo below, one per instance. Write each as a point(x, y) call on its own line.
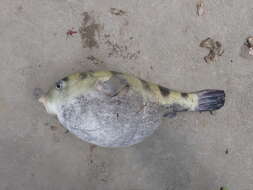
point(88, 31)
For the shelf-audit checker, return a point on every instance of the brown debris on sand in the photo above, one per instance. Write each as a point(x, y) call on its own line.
point(200, 8)
point(215, 48)
point(247, 48)
point(88, 31)
point(94, 60)
point(117, 12)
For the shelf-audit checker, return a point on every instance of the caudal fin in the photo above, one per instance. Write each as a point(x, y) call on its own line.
point(210, 100)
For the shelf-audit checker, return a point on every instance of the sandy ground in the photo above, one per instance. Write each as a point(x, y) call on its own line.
point(155, 40)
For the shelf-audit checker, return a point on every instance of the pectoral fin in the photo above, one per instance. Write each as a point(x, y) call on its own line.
point(113, 86)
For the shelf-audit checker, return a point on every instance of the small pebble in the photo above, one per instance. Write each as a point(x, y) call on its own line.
point(200, 8)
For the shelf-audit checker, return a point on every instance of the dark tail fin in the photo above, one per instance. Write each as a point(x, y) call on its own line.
point(209, 100)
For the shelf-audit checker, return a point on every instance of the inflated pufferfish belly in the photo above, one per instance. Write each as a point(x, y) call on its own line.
point(113, 109)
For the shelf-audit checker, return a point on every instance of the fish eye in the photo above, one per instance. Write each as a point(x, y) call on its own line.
point(59, 84)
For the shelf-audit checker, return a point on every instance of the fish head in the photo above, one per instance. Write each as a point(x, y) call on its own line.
point(55, 96)
point(63, 90)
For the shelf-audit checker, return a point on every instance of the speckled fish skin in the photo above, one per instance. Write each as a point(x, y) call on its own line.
point(113, 109)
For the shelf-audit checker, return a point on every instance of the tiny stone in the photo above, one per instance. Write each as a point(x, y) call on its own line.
point(200, 8)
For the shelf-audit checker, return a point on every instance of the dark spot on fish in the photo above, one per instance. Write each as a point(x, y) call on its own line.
point(145, 84)
point(184, 95)
point(164, 91)
point(226, 151)
point(115, 72)
point(68, 112)
point(81, 100)
point(65, 79)
point(170, 114)
point(83, 75)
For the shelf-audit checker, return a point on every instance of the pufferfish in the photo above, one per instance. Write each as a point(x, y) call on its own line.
point(113, 109)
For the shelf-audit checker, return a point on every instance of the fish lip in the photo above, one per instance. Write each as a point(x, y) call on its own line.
point(50, 108)
point(42, 100)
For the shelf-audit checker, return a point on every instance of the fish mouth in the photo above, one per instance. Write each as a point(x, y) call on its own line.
point(42, 100)
point(47, 105)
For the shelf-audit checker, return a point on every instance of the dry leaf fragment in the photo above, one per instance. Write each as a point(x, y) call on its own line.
point(215, 48)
